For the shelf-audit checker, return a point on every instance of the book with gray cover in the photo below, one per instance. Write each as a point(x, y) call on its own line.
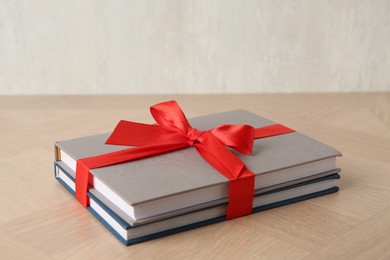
point(181, 181)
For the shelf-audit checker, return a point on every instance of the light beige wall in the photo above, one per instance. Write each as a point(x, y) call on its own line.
point(93, 47)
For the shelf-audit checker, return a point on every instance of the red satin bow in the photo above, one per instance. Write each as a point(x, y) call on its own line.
point(173, 132)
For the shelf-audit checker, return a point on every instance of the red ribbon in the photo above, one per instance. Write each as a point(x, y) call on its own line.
point(173, 132)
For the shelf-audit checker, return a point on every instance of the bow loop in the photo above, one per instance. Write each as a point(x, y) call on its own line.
point(238, 137)
point(170, 116)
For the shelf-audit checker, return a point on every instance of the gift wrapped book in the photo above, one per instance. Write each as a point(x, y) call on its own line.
point(147, 181)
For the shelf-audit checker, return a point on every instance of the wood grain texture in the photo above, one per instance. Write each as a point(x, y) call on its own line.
point(196, 46)
point(41, 220)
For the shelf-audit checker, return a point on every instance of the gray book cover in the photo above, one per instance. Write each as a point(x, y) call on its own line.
point(185, 174)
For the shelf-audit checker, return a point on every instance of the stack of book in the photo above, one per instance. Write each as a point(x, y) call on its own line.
point(172, 192)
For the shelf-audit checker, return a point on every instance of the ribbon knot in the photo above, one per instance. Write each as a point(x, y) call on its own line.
point(193, 134)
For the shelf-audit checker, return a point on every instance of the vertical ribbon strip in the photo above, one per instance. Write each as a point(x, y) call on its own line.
point(173, 132)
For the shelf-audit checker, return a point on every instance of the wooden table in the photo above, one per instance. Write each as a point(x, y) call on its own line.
point(40, 220)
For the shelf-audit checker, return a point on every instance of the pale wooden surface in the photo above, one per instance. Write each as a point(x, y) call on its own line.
point(40, 220)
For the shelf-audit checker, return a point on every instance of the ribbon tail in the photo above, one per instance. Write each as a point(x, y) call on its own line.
point(241, 188)
point(241, 180)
